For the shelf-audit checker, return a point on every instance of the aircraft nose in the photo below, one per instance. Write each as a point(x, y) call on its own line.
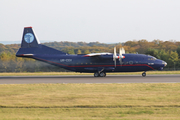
point(163, 62)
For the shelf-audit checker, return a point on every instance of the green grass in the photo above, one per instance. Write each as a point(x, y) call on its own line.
point(74, 73)
point(88, 114)
point(90, 101)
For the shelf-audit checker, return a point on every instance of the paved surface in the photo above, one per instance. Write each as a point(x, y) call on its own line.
point(90, 79)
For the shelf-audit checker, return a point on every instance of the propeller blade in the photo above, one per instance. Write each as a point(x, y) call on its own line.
point(120, 54)
point(123, 51)
point(115, 51)
point(114, 56)
point(115, 63)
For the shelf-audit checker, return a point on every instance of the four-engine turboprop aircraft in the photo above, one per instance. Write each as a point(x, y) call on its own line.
point(97, 63)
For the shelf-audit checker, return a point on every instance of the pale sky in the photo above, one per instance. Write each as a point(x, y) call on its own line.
point(107, 21)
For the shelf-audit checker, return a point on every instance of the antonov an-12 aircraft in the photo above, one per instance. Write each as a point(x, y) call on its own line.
point(97, 63)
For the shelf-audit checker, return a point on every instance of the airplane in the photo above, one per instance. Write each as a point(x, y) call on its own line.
point(97, 63)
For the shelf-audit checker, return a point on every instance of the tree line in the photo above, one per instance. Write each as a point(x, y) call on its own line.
point(168, 51)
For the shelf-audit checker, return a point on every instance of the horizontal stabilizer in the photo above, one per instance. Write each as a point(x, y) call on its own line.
point(27, 55)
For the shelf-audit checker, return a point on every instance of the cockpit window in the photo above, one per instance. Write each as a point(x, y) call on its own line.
point(154, 58)
point(151, 58)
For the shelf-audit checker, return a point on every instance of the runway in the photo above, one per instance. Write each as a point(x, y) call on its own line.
point(90, 79)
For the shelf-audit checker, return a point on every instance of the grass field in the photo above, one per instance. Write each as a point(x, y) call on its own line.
point(90, 101)
point(73, 73)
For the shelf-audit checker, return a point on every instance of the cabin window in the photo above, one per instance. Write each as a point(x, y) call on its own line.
point(130, 62)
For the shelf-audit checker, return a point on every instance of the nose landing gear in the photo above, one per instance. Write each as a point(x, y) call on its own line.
point(144, 74)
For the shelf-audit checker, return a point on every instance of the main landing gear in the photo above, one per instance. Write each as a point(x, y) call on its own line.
point(144, 74)
point(101, 74)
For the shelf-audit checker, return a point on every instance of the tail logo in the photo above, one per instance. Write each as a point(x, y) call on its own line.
point(29, 37)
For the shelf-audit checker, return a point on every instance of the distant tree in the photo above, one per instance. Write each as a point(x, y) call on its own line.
point(5, 60)
point(169, 45)
point(2, 48)
point(131, 43)
point(173, 58)
point(153, 52)
point(164, 55)
point(143, 46)
point(79, 51)
point(86, 52)
point(178, 51)
point(71, 51)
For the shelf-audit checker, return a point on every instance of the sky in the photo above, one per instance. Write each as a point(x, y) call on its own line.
point(106, 21)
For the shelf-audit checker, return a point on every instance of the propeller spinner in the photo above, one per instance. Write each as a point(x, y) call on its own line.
point(121, 51)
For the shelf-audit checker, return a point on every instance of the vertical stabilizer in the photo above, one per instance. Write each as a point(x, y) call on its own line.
point(30, 45)
point(29, 38)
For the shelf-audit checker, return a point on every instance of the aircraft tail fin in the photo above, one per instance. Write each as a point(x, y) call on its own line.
point(30, 45)
point(29, 39)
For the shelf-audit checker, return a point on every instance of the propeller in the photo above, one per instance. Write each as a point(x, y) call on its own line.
point(114, 56)
point(121, 51)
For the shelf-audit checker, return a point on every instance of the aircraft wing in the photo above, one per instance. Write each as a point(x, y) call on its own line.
point(96, 54)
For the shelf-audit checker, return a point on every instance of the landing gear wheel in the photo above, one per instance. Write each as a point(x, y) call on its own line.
point(144, 74)
point(102, 74)
point(96, 74)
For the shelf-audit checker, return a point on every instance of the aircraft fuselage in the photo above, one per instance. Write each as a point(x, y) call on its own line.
point(80, 63)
